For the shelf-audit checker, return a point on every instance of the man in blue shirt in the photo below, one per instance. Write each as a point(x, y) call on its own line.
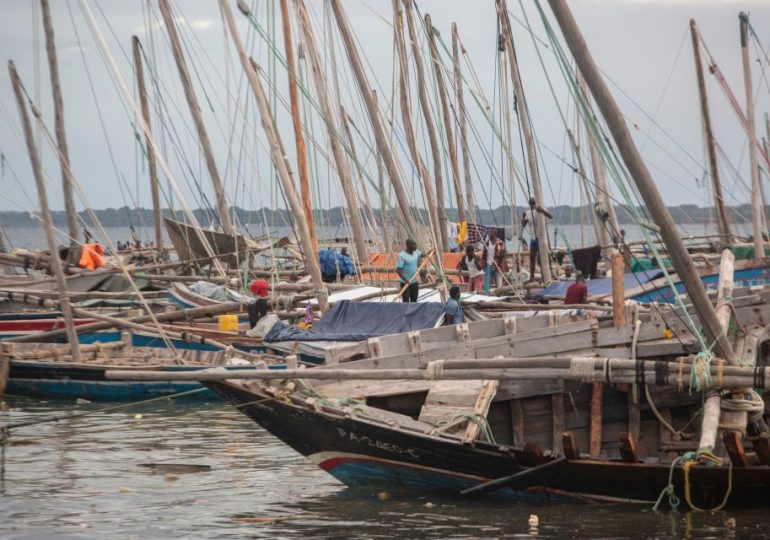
point(453, 313)
point(406, 267)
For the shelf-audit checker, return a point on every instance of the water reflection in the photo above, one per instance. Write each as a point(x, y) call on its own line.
point(89, 478)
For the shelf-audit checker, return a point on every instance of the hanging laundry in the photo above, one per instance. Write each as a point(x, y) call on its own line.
point(462, 231)
point(586, 260)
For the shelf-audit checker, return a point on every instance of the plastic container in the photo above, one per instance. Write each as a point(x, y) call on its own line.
point(228, 323)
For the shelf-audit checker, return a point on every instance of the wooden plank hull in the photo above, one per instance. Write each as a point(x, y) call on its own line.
point(375, 456)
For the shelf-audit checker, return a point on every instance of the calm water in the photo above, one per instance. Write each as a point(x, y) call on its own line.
point(83, 478)
point(34, 237)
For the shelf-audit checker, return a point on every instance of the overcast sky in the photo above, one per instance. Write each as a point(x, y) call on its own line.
point(642, 45)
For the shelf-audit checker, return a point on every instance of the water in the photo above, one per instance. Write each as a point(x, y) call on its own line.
point(82, 478)
point(576, 235)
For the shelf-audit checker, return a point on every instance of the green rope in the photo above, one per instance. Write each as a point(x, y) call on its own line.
point(668, 491)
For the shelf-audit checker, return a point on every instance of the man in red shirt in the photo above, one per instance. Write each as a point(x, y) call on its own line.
point(577, 293)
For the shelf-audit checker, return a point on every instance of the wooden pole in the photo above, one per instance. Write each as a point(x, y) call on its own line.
point(388, 158)
point(643, 179)
point(712, 405)
point(430, 127)
point(529, 140)
point(449, 131)
point(195, 111)
point(55, 262)
point(723, 222)
point(384, 210)
point(279, 157)
point(151, 164)
point(406, 119)
point(756, 194)
point(340, 160)
point(299, 139)
point(61, 136)
point(602, 190)
point(463, 131)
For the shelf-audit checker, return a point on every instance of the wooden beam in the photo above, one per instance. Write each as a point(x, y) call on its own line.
point(557, 420)
point(628, 448)
point(332, 130)
point(734, 447)
point(151, 164)
point(723, 222)
point(569, 443)
point(61, 134)
point(448, 129)
point(195, 111)
point(756, 193)
point(463, 120)
point(299, 138)
point(374, 118)
point(642, 178)
point(278, 156)
point(37, 169)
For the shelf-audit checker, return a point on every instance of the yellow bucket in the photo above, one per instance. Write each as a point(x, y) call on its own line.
point(228, 323)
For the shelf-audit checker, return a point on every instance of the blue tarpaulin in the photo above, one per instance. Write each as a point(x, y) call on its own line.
point(356, 321)
point(601, 286)
point(332, 262)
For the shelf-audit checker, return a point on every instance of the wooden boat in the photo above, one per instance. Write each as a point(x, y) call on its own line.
point(447, 436)
point(229, 248)
point(47, 371)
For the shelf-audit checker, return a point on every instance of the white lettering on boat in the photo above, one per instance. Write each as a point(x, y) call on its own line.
point(380, 445)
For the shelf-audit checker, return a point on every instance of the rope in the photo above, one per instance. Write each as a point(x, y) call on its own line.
point(690, 461)
point(582, 368)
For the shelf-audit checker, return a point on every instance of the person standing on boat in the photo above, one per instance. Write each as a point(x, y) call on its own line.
point(496, 263)
point(407, 267)
point(453, 313)
point(258, 308)
point(475, 265)
point(528, 218)
point(577, 293)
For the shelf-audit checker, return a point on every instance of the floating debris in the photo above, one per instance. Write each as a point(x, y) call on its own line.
point(175, 468)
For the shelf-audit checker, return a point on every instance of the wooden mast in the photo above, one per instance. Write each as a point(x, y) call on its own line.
point(597, 168)
point(299, 138)
point(195, 111)
point(330, 121)
point(406, 119)
point(374, 117)
point(643, 179)
point(723, 223)
point(756, 193)
point(61, 136)
point(529, 140)
point(450, 138)
point(435, 149)
point(151, 164)
point(55, 262)
point(463, 131)
point(278, 156)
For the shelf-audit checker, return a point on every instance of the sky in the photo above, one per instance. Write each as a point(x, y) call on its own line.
point(642, 46)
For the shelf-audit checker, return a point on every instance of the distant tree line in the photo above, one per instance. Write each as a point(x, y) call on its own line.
point(126, 217)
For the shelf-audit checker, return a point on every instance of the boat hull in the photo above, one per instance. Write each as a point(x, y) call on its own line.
point(366, 455)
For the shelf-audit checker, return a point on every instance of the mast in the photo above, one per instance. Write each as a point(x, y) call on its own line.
point(756, 193)
point(279, 157)
point(151, 164)
point(55, 262)
point(723, 223)
point(330, 121)
point(299, 139)
point(463, 125)
point(435, 149)
point(384, 211)
point(599, 173)
point(195, 111)
point(61, 136)
point(643, 179)
point(374, 117)
point(529, 140)
point(406, 119)
point(450, 138)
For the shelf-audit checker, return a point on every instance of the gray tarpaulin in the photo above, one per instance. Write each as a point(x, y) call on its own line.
point(356, 321)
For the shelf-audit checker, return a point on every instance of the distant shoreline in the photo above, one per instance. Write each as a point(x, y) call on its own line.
point(125, 217)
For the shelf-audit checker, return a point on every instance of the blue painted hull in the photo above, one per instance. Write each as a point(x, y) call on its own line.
point(102, 390)
point(745, 277)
